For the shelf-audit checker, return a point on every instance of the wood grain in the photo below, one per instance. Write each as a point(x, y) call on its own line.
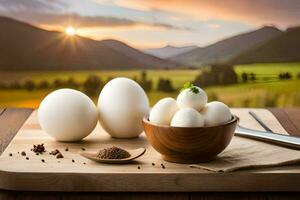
point(289, 119)
point(1, 111)
point(244, 196)
point(189, 145)
point(293, 115)
point(7, 132)
point(10, 122)
point(126, 196)
point(149, 196)
point(20, 174)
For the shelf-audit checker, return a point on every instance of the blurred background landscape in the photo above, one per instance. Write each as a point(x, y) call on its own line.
point(244, 54)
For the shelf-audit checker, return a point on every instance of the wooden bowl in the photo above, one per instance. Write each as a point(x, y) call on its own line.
point(189, 144)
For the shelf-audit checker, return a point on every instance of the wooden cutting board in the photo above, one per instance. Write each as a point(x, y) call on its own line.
point(18, 173)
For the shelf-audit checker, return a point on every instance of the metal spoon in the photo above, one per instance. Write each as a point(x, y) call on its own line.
point(275, 138)
point(134, 154)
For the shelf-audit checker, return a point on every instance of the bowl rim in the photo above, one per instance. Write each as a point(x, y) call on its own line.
point(233, 120)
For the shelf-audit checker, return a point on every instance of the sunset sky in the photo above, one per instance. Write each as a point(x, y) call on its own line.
point(155, 23)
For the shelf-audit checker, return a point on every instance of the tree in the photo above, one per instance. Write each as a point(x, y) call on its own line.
point(29, 85)
point(216, 75)
point(244, 77)
point(43, 85)
point(58, 83)
point(285, 76)
point(93, 85)
point(165, 85)
point(144, 82)
point(252, 76)
point(15, 85)
point(71, 83)
point(3, 85)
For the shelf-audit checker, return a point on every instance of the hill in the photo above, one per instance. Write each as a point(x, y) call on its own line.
point(284, 48)
point(169, 51)
point(25, 47)
point(227, 49)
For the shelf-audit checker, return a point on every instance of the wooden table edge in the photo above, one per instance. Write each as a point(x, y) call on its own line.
point(172, 182)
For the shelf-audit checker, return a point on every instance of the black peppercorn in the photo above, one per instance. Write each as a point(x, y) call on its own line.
point(54, 152)
point(39, 148)
point(59, 155)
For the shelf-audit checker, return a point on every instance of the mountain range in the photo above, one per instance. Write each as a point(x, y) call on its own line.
point(169, 51)
point(225, 50)
point(284, 48)
point(25, 47)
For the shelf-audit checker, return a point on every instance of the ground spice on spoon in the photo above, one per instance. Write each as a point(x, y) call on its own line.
point(113, 153)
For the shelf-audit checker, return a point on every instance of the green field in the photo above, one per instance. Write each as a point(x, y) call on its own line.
point(261, 94)
point(269, 68)
point(178, 77)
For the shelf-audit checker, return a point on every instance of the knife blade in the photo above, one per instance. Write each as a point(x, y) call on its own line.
point(275, 138)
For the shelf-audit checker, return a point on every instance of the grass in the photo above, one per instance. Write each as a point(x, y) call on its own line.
point(271, 94)
point(279, 94)
point(178, 77)
point(269, 68)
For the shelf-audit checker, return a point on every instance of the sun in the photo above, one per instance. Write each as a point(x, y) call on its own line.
point(70, 31)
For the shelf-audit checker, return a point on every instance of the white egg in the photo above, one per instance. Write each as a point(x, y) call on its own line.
point(122, 105)
point(163, 111)
point(216, 113)
point(67, 115)
point(187, 117)
point(190, 99)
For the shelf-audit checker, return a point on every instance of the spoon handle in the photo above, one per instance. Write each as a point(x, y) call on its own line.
point(260, 121)
point(275, 138)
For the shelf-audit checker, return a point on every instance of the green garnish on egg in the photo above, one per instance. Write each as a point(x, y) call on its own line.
point(191, 87)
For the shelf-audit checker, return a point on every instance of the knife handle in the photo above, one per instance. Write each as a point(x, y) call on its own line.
point(276, 138)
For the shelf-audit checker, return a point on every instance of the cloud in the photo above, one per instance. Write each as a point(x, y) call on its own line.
point(214, 26)
point(32, 5)
point(257, 12)
point(61, 19)
point(50, 13)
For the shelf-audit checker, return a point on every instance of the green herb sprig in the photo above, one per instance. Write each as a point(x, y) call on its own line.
point(191, 87)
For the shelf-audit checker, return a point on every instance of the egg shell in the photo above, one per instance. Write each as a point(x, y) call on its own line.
point(67, 115)
point(163, 111)
point(216, 113)
point(189, 99)
point(122, 104)
point(187, 117)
